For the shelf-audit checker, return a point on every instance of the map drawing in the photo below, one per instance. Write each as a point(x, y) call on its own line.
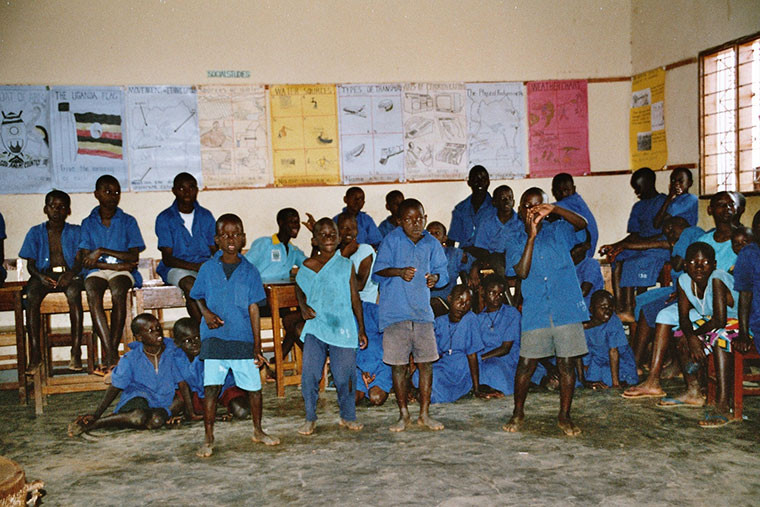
point(371, 133)
point(496, 133)
point(163, 137)
point(25, 165)
point(435, 130)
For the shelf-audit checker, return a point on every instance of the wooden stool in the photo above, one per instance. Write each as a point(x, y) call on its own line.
point(738, 390)
point(14, 490)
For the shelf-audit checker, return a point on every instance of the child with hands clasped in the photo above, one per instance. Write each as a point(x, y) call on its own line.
point(227, 290)
point(329, 301)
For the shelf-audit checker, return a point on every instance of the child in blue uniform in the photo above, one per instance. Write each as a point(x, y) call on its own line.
point(50, 250)
point(392, 200)
point(458, 262)
point(275, 256)
point(146, 378)
point(469, 213)
point(497, 231)
point(185, 233)
point(553, 307)
point(227, 290)
point(563, 190)
point(679, 202)
point(609, 362)
point(747, 283)
point(723, 211)
point(589, 273)
point(368, 232)
point(329, 301)
point(409, 263)
point(741, 237)
point(110, 247)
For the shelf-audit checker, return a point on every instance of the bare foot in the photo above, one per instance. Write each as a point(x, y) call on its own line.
point(514, 424)
point(76, 428)
point(205, 451)
point(568, 427)
point(429, 423)
point(351, 425)
point(643, 391)
point(260, 437)
point(307, 428)
point(403, 423)
point(626, 316)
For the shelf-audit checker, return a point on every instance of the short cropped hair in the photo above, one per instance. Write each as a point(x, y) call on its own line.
point(178, 179)
point(493, 280)
point(139, 322)
point(58, 194)
point(286, 213)
point(393, 194)
point(185, 327)
point(227, 218)
point(105, 180)
point(560, 178)
point(408, 204)
point(700, 247)
point(596, 296)
point(646, 173)
point(437, 224)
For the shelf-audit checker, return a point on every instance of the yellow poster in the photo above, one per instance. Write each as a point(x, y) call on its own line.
point(648, 145)
point(304, 135)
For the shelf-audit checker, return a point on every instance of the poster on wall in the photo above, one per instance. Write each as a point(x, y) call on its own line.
point(558, 128)
point(25, 166)
point(233, 134)
point(435, 131)
point(496, 133)
point(648, 144)
point(371, 133)
point(304, 134)
point(87, 136)
point(162, 134)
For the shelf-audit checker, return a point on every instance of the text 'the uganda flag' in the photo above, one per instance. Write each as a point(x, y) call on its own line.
point(99, 134)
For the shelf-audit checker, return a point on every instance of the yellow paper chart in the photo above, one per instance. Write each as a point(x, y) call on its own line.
point(648, 143)
point(304, 135)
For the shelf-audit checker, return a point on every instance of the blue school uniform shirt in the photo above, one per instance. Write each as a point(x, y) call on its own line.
point(551, 292)
point(465, 220)
point(229, 299)
point(172, 233)
point(408, 301)
point(385, 227)
point(37, 248)
point(495, 328)
point(492, 235)
point(575, 203)
point(454, 266)
point(328, 293)
point(747, 279)
point(641, 219)
point(122, 234)
point(725, 258)
point(370, 359)
point(600, 340)
point(369, 292)
point(686, 206)
point(589, 270)
point(271, 258)
point(367, 231)
point(136, 376)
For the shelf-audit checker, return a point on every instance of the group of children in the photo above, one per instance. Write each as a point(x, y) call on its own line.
point(385, 304)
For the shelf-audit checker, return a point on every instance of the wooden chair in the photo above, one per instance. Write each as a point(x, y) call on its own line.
point(11, 301)
point(157, 298)
point(283, 296)
point(738, 390)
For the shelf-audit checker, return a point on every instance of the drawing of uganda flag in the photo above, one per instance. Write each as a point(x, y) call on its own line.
point(99, 134)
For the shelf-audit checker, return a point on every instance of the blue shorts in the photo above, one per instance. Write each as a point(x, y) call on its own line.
point(245, 371)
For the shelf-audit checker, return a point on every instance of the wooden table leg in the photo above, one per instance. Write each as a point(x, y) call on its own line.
point(18, 314)
point(277, 338)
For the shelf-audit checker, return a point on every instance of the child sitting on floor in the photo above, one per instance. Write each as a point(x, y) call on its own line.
point(146, 377)
point(187, 337)
point(329, 300)
point(609, 362)
point(458, 262)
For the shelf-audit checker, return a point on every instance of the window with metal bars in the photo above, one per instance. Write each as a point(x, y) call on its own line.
point(729, 116)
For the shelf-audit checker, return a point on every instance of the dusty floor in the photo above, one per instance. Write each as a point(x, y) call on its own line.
point(630, 453)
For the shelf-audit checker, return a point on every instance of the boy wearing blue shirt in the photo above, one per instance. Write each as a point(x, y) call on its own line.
point(50, 250)
point(469, 213)
point(185, 233)
point(392, 200)
point(498, 231)
point(275, 256)
point(110, 247)
point(553, 307)
point(368, 232)
point(409, 263)
point(679, 202)
point(458, 263)
point(146, 377)
point(747, 284)
point(563, 190)
point(227, 290)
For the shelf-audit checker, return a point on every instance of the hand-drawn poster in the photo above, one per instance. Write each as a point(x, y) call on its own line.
point(435, 131)
point(304, 135)
point(233, 129)
point(648, 144)
point(163, 136)
point(371, 132)
point(87, 134)
point(25, 166)
point(496, 134)
point(558, 128)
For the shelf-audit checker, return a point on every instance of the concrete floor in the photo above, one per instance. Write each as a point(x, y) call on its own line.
point(630, 453)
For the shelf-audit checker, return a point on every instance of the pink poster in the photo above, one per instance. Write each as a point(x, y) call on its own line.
point(558, 127)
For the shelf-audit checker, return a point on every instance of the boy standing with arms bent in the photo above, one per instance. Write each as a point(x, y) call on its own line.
point(409, 263)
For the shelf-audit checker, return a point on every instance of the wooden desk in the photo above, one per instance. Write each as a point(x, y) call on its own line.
point(283, 295)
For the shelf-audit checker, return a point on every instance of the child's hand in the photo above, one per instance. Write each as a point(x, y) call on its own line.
point(596, 385)
point(407, 273)
point(213, 320)
point(48, 281)
point(696, 351)
point(431, 279)
point(88, 419)
point(367, 378)
point(363, 340)
point(742, 343)
point(124, 266)
point(91, 259)
point(64, 280)
point(307, 312)
point(309, 224)
point(259, 359)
